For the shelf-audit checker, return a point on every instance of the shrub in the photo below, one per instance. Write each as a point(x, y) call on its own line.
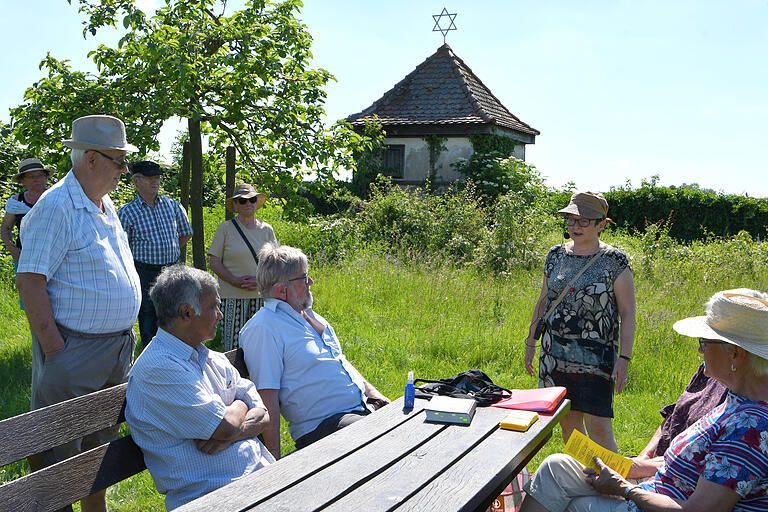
point(692, 212)
point(520, 235)
point(415, 222)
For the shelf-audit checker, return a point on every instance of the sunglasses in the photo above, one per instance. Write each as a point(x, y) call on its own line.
point(703, 342)
point(243, 200)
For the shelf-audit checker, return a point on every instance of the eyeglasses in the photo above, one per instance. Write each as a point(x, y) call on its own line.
point(704, 341)
point(121, 164)
point(304, 278)
point(572, 221)
point(33, 175)
point(243, 200)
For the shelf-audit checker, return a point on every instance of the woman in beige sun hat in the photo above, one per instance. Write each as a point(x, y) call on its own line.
point(32, 176)
point(233, 258)
point(718, 463)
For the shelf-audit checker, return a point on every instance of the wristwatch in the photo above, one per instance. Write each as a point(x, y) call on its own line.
point(629, 490)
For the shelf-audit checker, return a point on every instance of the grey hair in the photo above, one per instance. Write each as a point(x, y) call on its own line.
point(276, 264)
point(78, 157)
point(177, 285)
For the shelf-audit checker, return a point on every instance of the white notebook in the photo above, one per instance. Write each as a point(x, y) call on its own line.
point(446, 409)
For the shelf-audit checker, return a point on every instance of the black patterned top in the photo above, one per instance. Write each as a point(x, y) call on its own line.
point(582, 334)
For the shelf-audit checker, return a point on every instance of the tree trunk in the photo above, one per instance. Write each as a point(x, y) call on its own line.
point(230, 177)
point(196, 194)
point(184, 189)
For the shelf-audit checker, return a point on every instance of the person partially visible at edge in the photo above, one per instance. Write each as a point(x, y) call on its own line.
point(295, 359)
point(587, 341)
point(235, 263)
point(191, 413)
point(32, 175)
point(157, 229)
point(701, 395)
point(77, 281)
point(720, 463)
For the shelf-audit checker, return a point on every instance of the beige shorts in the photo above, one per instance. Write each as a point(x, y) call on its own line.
point(559, 485)
point(87, 363)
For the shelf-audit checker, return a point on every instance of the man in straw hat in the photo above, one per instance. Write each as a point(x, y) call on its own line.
point(720, 462)
point(157, 229)
point(77, 281)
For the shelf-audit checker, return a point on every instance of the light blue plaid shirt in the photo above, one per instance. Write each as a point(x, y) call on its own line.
point(177, 394)
point(84, 254)
point(314, 379)
point(154, 231)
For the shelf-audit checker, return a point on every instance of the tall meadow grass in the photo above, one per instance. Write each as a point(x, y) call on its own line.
point(402, 303)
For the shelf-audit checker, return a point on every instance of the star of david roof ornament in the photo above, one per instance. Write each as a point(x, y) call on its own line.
point(450, 18)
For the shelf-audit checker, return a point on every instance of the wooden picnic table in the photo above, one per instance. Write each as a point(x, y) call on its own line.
point(392, 459)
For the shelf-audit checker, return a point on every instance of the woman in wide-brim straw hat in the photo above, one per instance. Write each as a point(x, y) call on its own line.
point(32, 176)
point(720, 462)
point(233, 258)
point(587, 303)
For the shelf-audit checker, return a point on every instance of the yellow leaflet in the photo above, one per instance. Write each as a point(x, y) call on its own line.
point(583, 449)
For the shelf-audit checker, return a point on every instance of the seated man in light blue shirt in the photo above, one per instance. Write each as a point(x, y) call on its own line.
point(193, 416)
point(294, 357)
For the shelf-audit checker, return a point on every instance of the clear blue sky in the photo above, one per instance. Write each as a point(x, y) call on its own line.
point(620, 90)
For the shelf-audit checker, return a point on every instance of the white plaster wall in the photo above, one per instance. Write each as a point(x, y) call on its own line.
point(417, 157)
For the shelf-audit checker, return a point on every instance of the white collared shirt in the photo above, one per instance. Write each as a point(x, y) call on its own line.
point(84, 255)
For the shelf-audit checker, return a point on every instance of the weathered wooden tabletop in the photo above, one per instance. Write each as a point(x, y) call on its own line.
point(392, 460)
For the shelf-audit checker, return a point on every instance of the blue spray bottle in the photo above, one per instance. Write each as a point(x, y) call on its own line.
point(410, 392)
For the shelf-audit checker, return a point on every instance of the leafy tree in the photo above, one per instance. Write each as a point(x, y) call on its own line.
point(243, 79)
point(367, 156)
point(11, 153)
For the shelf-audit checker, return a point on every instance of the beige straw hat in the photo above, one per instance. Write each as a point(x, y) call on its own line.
point(739, 317)
point(29, 165)
point(590, 205)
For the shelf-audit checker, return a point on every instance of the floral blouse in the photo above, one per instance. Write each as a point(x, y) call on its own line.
point(728, 446)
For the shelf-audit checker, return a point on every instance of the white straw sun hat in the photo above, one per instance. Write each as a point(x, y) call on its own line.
point(739, 317)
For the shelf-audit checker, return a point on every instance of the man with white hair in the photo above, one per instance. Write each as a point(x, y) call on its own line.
point(193, 416)
point(77, 281)
point(295, 359)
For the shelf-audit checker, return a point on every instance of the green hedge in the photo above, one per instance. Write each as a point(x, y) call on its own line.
point(692, 213)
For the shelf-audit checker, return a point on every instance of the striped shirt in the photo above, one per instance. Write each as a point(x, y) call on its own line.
point(177, 394)
point(154, 231)
point(728, 446)
point(84, 255)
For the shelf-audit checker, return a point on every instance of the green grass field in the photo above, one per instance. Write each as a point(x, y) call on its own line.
point(438, 319)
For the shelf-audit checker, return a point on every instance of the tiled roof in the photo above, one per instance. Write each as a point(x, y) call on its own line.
point(441, 90)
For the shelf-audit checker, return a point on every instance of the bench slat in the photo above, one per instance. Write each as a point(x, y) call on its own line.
point(68, 481)
point(33, 432)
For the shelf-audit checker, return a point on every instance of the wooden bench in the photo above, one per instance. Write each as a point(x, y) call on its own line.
point(58, 486)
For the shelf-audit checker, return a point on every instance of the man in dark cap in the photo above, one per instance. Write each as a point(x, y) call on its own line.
point(157, 229)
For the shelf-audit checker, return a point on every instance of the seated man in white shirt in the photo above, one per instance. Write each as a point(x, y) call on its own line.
point(295, 359)
point(193, 416)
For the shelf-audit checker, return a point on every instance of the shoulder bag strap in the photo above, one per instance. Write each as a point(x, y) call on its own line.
point(570, 283)
point(245, 239)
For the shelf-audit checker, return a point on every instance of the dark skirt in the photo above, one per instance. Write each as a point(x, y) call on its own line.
point(587, 379)
point(236, 313)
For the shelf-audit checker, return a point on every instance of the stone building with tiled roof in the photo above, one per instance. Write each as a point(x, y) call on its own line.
point(443, 97)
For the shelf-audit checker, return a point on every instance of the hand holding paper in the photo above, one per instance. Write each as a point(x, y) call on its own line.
point(583, 449)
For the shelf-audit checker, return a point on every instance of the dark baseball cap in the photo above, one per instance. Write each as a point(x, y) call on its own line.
point(147, 168)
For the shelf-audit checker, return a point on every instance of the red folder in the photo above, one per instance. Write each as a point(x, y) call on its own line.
point(540, 399)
